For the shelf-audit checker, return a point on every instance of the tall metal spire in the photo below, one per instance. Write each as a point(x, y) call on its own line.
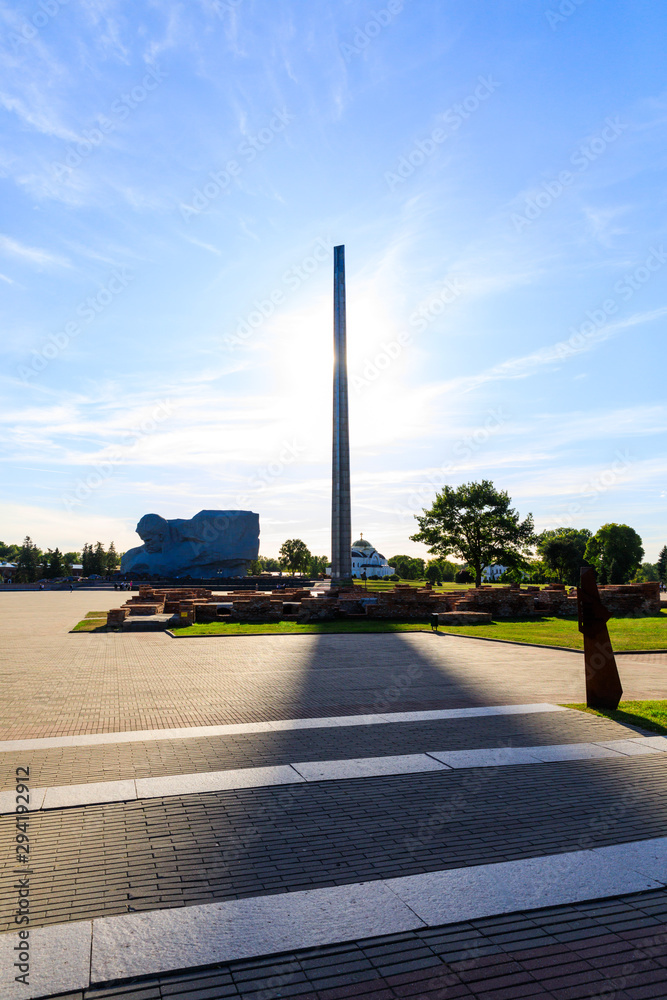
point(341, 526)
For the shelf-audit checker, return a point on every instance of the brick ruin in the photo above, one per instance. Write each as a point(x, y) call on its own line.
point(402, 603)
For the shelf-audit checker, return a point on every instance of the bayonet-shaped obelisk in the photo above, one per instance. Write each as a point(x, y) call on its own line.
point(341, 527)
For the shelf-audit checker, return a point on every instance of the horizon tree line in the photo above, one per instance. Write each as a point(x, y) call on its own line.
point(34, 564)
point(473, 522)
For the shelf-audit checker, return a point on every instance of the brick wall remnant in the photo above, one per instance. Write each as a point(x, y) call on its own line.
point(401, 603)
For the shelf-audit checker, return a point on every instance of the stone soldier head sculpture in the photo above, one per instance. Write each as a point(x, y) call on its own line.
point(153, 531)
point(212, 543)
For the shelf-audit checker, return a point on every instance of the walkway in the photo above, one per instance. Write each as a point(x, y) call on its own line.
point(213, 817)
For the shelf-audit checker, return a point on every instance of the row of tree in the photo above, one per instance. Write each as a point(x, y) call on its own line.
point(476, 523)
point(34, 564)
point(295, 556)
point(473, 522)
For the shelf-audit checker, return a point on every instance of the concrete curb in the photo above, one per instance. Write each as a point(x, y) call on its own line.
point(256, 635)
point(426, 631)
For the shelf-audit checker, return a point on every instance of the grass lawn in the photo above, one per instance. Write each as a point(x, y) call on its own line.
point(626, 633)
point(296, 628)
point(94, 621)
point(390, 584)
point(650, 715)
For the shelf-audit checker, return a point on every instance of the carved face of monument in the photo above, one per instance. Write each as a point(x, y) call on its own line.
point(153, 530)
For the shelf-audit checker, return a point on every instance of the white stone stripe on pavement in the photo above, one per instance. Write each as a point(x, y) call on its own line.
point(74, 956)
point(278, 725)
point(126, 790)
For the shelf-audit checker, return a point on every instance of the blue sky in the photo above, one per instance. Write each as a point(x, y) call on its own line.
point(174, 176)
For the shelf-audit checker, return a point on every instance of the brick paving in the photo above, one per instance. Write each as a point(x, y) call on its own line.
point(606, 949)
point(144, 759)
point(55, 683)
point(99, 860)
point(177, 851)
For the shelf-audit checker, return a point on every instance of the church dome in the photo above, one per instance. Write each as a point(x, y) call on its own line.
point(367, 561)
point(362, 544)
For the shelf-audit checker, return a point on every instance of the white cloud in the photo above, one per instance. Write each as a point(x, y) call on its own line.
point(32, 254)
point(555, 354)
point(49, 528)
point(40, 119)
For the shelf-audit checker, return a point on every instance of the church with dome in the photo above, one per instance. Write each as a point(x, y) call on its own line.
point(366, 559)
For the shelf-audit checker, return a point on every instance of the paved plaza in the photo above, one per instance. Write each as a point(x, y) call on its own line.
point(380, 816)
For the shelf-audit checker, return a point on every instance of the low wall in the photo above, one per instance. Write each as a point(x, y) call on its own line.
point(402, 603)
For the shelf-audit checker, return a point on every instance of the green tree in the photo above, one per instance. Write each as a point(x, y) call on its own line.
point(55, 564)
point(9, 553)
point(295, 555)
point(112, 559)
point(270, 565)
point(317, 565)
point(537, 572)
point(28, 562)
point(616, 552)
point(433, 572)
point(70, 559)
point(646, 573)
point(408, 567)
point(87, 560)
point(562, 552)
point(99, 560)
point(662, 565)
point(448, 570)
point(400, 563)
point(264, 564)
point(476, 523)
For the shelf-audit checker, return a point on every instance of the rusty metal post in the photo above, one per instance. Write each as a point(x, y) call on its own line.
point(603, 685)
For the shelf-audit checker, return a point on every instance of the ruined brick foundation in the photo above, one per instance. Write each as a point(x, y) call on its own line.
point(402, 603)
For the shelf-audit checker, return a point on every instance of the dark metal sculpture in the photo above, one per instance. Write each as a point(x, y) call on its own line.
point(603, 685)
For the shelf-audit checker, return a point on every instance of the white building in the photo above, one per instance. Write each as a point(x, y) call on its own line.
point(7, 571)
point(491, 574)
point(366, 559)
